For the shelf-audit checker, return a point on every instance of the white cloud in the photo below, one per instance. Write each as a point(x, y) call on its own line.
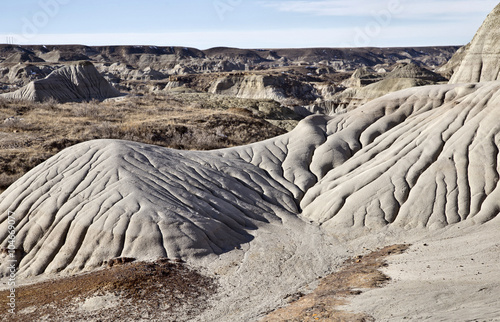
point(375, 30)
point(412, 9)
point(324, 8)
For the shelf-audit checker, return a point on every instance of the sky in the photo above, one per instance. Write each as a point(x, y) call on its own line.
point(243, 23)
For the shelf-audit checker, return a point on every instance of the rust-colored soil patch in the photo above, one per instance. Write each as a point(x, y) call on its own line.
point(157, 290)
point(361, 272)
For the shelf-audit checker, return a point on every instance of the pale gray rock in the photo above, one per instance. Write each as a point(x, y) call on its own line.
point(424, 158)
point(120, 71)
point(411, 70)
point(106, 199)
point(24, 73)
point(262, 87)
point(451, 67)
point(481, 61)
point(357, 96)
point(419, 158)
point(76, 82)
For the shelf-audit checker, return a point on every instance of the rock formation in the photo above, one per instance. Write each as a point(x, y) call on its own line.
point(356, 96)
point(411, 70)
point(481, 61)
point(277, 88)
point(22, 57)
point(364, 86)
point(410, 159)
point(420, 165)
point(77, 82)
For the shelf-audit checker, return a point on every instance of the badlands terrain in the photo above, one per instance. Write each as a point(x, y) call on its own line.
point(339, 185)
point(185, 98)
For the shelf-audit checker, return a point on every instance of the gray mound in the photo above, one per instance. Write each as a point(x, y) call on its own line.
point(410, 70)
point(451, 67)
point(356, 96)
point(76, 82)
point(417, 158)
point(56, 56)
point(23, 57)
point(361, 77)
point(481, 62)
point(423, 157)
point(261, 87)
point(106, 199)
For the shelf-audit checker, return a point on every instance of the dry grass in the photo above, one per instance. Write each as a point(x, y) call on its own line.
point(32, 132)
point(361, 272)
point(170, 291)
point(158, 290)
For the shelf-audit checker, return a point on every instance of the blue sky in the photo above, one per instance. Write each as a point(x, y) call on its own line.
point(244, 23)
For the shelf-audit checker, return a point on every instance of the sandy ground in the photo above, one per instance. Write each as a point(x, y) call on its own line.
point(446, 275)
point(450, 275)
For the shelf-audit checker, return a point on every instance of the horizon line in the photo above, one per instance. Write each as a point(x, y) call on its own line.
point(226, 47)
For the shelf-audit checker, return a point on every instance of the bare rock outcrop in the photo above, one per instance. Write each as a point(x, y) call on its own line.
point(23, 73)
point(419, 158)
point(262, 87)
point(76, 82)
point(411, 70)
point(125, 199)
point(356, 96)
point(451, 67)
point(365, 85)
point(22, 57)
point(481, 61)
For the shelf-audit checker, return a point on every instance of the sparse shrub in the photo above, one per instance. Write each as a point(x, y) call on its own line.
point(58, 144)
point(197, 105)
point(202, 140)
point(10, 144)
point(240, 111)
point(88, 109)
point(105, 130)
point(290, 101)
point(120, 261)
point(20, 106)
point(15, 123)
point(154, 119)
point(3, 103)
point(49, 104)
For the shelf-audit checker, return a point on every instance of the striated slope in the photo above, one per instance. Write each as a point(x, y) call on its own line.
point(21, 57)
point(106, 199)
point(423, 157)
point(77, 82)
point(481, 58)
point(451, 67)
point(356, 96)
point(262, 87)
point(410, 70)
point(429, 158)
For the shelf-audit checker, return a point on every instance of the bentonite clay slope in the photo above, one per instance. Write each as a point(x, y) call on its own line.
point(481, 62)
point(76, 82)
point(423, 157)
point(410, 70)
point(261, 87)
point(106, 199)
